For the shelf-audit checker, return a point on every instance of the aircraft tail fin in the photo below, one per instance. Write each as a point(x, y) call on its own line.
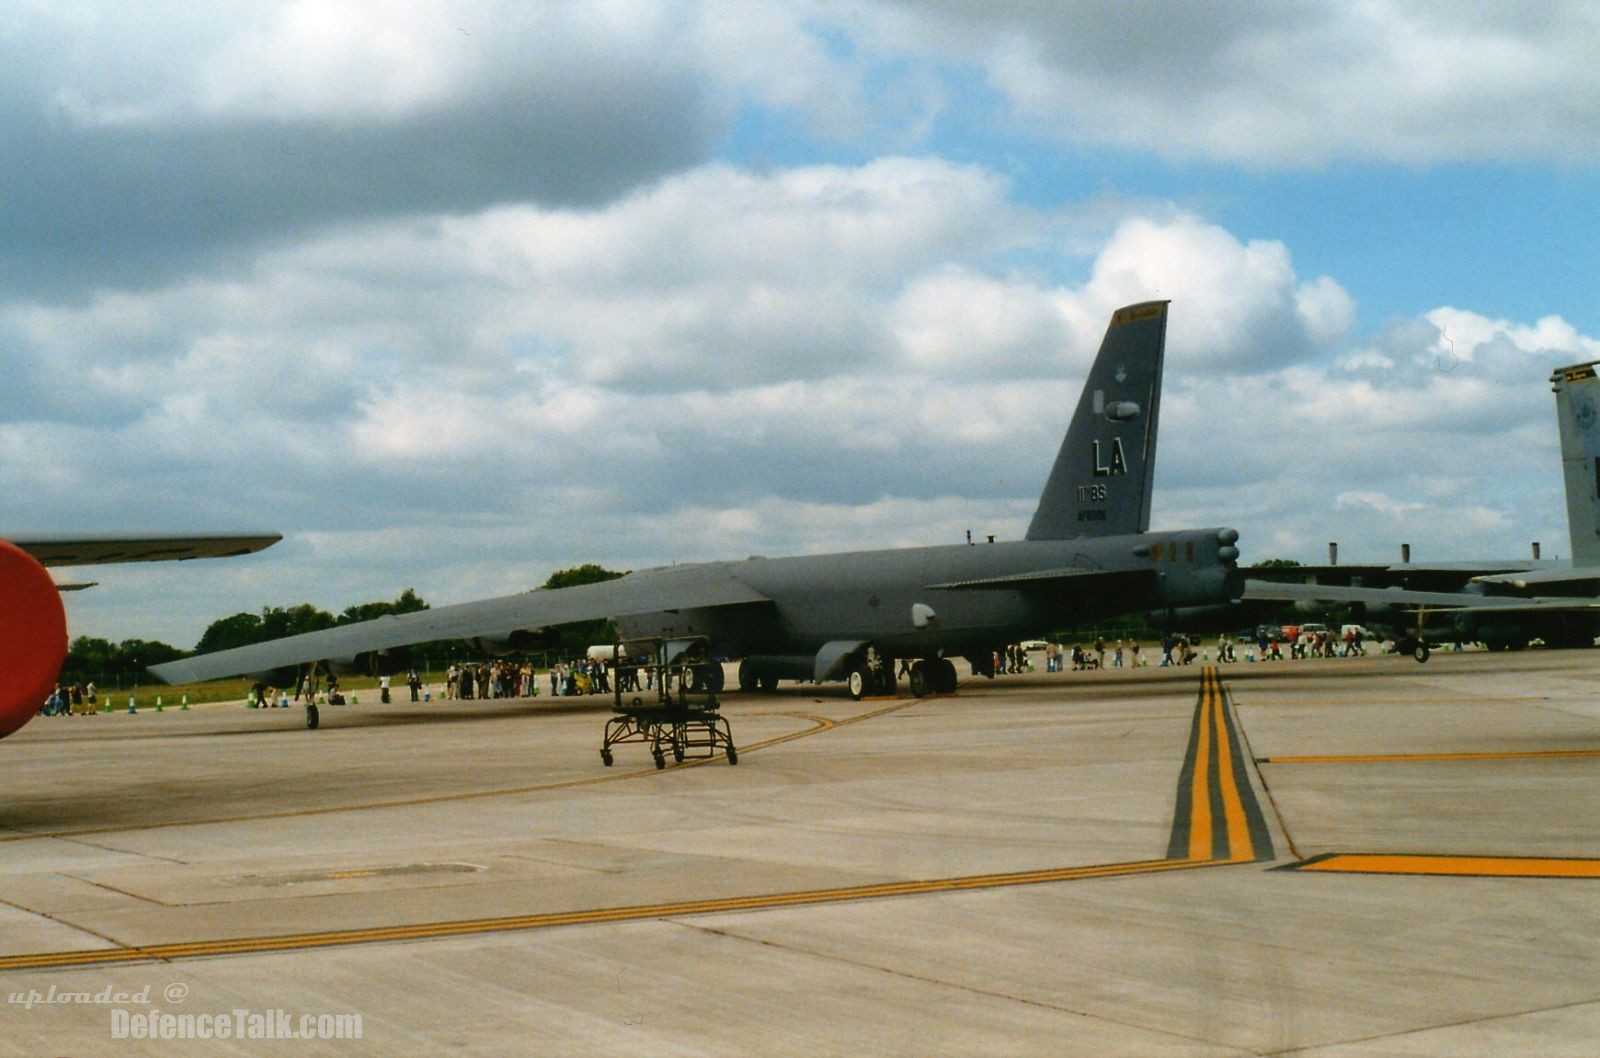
point(1100, 483)
point(1578, 417)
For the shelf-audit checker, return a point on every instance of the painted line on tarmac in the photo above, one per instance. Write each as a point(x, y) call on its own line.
point(1217, 817)
point(1449, 866)
point(1394, 758)
point(516, 923)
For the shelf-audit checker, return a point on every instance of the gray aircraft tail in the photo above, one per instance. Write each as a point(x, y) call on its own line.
point(1100, 484)
point(1578, 418)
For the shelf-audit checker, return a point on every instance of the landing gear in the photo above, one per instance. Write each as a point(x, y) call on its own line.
point(933, 676)
point(858, 680)
point(312, 718)
point(1417, 648)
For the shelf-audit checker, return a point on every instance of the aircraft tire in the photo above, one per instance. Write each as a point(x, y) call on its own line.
point(858, 680)
point(749, 679)
point(1407, 645)
point(605, 757)
point(1421, 653)
point(768, 684)
point(312, 719)
point(944, 676)
point(919, 680)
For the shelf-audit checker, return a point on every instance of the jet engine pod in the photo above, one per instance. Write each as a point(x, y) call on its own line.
point(373, 662)
point(33, 637)
point(519, 641)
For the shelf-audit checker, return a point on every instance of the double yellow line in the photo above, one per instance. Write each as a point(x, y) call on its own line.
point(1217, 819)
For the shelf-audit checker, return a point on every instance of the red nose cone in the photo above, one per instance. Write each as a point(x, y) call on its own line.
point(33, 637)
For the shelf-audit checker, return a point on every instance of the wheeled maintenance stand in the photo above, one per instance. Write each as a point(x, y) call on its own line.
point(679, 714)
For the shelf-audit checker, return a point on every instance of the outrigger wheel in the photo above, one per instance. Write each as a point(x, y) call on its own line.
point(312, 719)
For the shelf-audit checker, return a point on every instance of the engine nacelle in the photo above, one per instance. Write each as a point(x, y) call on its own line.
point(33, 637)
point(521, 641)
point(373, 662)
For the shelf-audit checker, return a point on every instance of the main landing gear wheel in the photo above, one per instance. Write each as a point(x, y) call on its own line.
point(748, 678)
point(944, 675)
point(312, 719)
point(919, 680)
point(768, 684)
point(859, 681)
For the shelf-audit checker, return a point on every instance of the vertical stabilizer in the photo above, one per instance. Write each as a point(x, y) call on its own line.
point(1577, 396)
point(1100, 484)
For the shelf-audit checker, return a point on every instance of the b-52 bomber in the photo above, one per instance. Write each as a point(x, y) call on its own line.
point(1088, 554)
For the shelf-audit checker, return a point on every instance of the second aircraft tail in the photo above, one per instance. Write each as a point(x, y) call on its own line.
point(1578, 419)
point(1100, 483)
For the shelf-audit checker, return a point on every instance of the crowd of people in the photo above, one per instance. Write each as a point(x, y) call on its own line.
point(69, 699)
point(594, 675)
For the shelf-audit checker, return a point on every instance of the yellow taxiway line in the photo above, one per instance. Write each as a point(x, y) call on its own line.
point(435, 930)
point(1451, 866)
point(1392, 758)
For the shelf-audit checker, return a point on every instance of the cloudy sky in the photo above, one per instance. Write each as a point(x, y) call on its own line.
point(454, 294)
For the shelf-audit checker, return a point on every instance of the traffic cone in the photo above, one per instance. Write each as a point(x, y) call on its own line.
point(158, 704)
point(185, 704)
point(131, 707)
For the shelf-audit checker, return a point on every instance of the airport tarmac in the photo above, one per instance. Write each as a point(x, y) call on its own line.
point(1322, 858)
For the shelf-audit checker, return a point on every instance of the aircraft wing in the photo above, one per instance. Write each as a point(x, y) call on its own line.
point(1541, 578)
point(96, 549)
point(647, 591)
point(1272, 591)
point(1056, 578)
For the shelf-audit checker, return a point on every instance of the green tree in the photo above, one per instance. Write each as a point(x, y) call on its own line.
point(1276, 563)
point(409, 602)
point(579, 637)
point(101, 659)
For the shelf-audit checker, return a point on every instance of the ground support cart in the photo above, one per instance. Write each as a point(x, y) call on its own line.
point(678, 715)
